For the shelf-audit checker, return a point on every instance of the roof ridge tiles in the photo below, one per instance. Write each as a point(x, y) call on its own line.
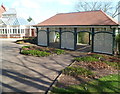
point(80, 12)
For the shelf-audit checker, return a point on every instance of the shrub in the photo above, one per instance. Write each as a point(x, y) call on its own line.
point(83, 37)
point(76, 70)
point(25, 52)
point(86, 59)
point(20, 42)
point(118, 38)
point(35, 53)
point(32, 40)
point(59, 51)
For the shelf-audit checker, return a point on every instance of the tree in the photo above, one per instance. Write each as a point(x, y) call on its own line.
point(107, 7)
point(29, 19)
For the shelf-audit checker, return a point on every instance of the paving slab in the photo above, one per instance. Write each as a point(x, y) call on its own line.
point(22, 73)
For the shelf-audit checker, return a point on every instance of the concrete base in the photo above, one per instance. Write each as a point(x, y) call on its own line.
point(10, 39)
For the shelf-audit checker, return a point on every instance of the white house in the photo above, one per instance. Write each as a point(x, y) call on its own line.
point(12, 26)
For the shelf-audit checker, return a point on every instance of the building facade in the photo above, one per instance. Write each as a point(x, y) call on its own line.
point(12, 26)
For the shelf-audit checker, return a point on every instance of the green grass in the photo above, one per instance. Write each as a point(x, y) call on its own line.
point(113, 64)
point(40, 51)
point(105, 84)
point(35, 53)
point(59, 51)
point(86, 59)
point(26, 47)
point(76, 70)
point(97, 56)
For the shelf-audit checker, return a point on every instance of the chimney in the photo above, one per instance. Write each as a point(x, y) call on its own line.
point(3, 7)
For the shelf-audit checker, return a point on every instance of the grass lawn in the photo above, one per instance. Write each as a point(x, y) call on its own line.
point(105, 84)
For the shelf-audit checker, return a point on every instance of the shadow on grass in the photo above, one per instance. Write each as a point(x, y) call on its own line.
point(97, 86)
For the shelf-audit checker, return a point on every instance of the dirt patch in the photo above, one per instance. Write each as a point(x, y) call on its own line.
point(100, 69)
point(113, 59)
point(39, 48)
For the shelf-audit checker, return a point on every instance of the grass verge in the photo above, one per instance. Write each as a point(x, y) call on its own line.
point(59, 51)
point(105, 84)
point(86, 59)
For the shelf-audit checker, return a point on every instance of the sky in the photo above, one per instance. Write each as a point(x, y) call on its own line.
point(41, 10)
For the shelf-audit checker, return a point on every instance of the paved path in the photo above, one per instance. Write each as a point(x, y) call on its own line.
point(22, 73)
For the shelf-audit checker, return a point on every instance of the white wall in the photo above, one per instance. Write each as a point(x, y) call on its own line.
point(67, 40)
point(42, 38)
point(103, 43)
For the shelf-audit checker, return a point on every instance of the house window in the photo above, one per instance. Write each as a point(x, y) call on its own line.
point(18, 31)
point(13, 31)
point(21, 30)
point(5, 31)
point(10, 31)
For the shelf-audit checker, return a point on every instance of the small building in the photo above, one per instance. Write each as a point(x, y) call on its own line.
point(98, 26)
point(12, 26)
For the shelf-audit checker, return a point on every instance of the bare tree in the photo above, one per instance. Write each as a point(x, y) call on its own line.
point(117, 10)
point(107, 7)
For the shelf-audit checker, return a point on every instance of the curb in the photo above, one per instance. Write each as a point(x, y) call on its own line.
point(56, 80)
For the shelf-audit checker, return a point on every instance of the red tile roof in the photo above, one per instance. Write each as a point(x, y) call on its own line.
point(2, 9)
point(79, 18)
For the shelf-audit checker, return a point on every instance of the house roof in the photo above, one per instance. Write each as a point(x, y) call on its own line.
point(14, 19)
point(2, 9)
point(79, 18)
point(10, 11)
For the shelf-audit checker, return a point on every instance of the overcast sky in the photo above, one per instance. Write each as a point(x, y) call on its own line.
point(40, 10)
